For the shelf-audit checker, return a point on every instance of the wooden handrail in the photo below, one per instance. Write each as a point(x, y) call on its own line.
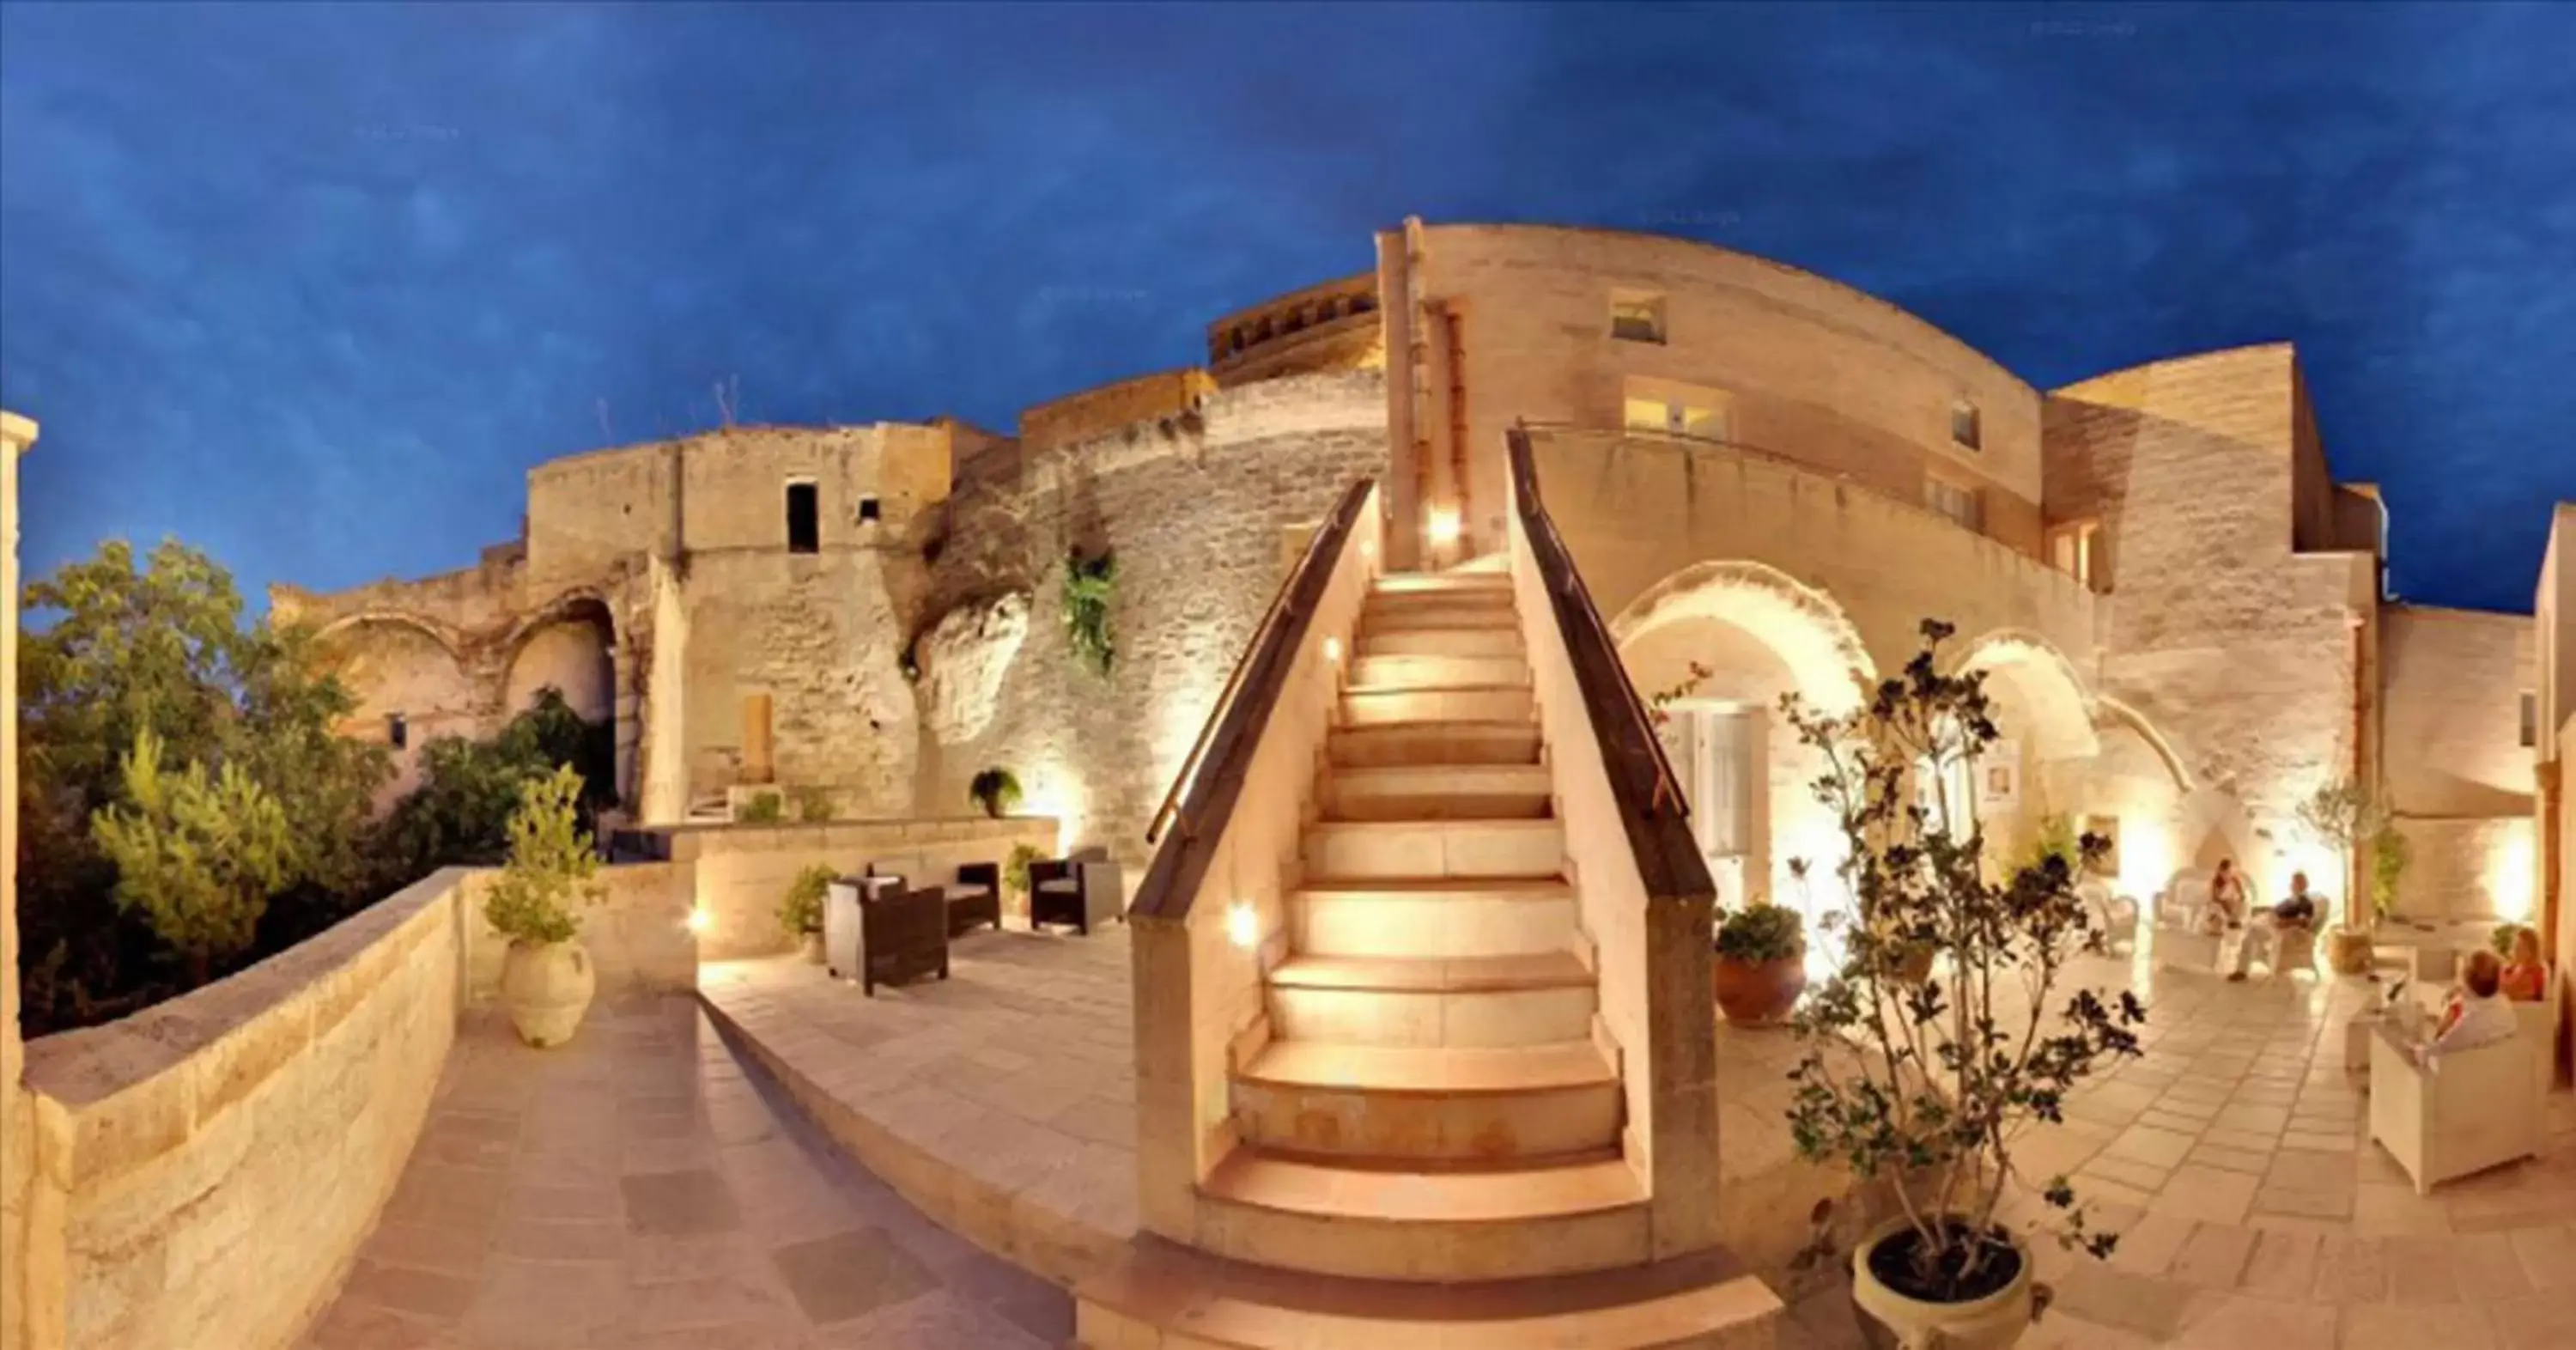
point(1211, 777)
point(1650, 801)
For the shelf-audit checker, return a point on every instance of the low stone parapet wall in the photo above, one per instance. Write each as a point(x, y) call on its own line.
point(206, 1167)
point(739, 873)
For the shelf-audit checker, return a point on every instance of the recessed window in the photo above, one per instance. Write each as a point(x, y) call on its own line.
point(2530, 719)
point(804, 518)
point(1955, 500)
point(2076, 550)
point(1636, 316)
point(869, 509)
point(1963, 425)
point(398, 731)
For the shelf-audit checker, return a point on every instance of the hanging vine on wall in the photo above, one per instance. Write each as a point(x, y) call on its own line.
point(1089, 584)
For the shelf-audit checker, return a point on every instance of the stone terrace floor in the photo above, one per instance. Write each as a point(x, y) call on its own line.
point(641, 1185)
point(638, 1188)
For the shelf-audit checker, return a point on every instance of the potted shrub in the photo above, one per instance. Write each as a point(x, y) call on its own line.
point(1922, 1087)
point(762, 808)
point(1761, 963)
point(546, 977)
point(800, 911)
point(2342, 815)
point(997, 790)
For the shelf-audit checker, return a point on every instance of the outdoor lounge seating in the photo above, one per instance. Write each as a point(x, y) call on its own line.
point(2465, 1112)
point(2115, 915)
point(974, 894)
point(1080, 891)
point(877, 929)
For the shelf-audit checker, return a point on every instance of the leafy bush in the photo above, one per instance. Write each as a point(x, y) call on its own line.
point(1089, 586)
point(552, 867)
point(1945, 1079)
point(2389, 856)
point(800, 911)
point(199, 855)
point(763, 808)
point(1015, 873)
point(1762, 932)
point(2055, 838)
point(814, 806)
point(461, 811)
point(997, 790)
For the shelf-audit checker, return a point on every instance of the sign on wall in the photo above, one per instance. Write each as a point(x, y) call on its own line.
point(1999, 778)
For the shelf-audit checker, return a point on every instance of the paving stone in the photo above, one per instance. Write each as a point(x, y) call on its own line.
point(850, 1274)
point(679, 1204)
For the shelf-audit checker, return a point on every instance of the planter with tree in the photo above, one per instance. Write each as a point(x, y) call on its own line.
point(1761, 963)
point(800, 912)
point(996, 790)
point(546, 977)
point(1922, 1086)
point(2343, 815)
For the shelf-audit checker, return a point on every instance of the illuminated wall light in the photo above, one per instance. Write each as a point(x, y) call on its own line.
point(699, 920)
point(2511, 870)
point(1444, 526)
point(1243, 925)
point(1332, 649)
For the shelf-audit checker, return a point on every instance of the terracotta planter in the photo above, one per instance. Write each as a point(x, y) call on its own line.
point(1759, 993)
point(2348, 951)
point(812, 947)
point(547, 989)
point(1893, 1321)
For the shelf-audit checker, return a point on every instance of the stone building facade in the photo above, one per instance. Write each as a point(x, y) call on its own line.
point(1759, 471)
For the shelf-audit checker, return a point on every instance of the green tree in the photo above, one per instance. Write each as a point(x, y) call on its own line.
point(118, 645)
point(2342, 815)
point(199, 854)
point(461, 811)
point(552, 866)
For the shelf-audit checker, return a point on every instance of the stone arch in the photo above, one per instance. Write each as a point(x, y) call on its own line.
point(340, 633)
point(413, 682)
point(570, 643)
point(2044, 684)
point(1803, 625)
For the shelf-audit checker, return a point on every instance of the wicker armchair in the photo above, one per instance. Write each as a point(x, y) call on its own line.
point(974, 895)
point(874, 928)
point(1081, 891)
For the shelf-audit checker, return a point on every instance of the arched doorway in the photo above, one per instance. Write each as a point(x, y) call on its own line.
point(1718, 645)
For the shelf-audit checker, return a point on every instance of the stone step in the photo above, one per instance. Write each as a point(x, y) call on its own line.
point(1433, 919)
point(1351, 1220)
point(1441, 642)
point(1446, 617)
point(1378, 707)
point(1449, 1001)
point(1439, 792)
point(1459, 743)
point(1441, 583)
point(1362, 849)
point(1454, 1105)
point(1492, 604)
point(1439, 672)
point(1163, 1295)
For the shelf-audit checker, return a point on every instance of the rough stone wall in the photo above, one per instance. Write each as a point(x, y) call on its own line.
point(216, 1159)
point(2452, 686)
point(1097, 412)
point(2242, 653)
point(2469, 868)
point(1836, 379)
point(398, 668)
point(1196, 522)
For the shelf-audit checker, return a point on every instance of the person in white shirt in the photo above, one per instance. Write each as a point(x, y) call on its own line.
point(2476, 1015)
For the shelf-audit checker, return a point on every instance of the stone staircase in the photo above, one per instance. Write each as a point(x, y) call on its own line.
point(1426, 1098)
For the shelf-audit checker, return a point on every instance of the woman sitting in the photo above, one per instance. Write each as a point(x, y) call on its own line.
point(2526, 977)
point(2475, 1016)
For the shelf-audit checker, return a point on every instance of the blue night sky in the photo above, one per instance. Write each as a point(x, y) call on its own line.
point(311, 286)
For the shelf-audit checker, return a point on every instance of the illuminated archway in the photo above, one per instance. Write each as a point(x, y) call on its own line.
point(1810, 633)
point(2048, 699)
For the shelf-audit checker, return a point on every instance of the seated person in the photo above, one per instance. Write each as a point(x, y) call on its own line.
point(2526, 977)
point(2226, 907)
point(2263, 935)
point(2475, 1015)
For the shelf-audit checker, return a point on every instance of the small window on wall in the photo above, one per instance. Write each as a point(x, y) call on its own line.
point(1954, 500)
point(2530, 719)
point(1963, 425)
point(1636, 316)
point(397, 731)
point(870, 509)
point(804, 518)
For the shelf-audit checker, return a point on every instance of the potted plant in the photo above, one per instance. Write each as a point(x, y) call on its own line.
point(1761, 963)
point(997, 790)
point(800, 911)
point(2342, 815)
point(546, 977)
point(1921, 1086)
